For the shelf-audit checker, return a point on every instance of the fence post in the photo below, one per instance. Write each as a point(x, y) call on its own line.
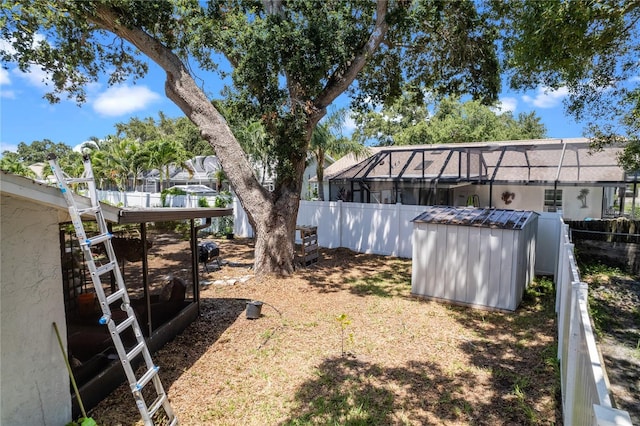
point(563, 292)
point(606, 416)
point(396, 246)
point(340, 224)
point(560, 273)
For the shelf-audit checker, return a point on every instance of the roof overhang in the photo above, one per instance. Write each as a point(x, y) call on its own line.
point(27, 189)
point(165, 214)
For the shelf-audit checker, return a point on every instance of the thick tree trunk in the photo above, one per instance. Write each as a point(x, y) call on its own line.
point(275, 236)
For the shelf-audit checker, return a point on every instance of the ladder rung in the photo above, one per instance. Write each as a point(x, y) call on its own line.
point(146, 377)
point(174, 422)
point(89, 210)
point(115, 296)
point(107, 267)
point(124, 324)
point(156, 404)
point(78, 180)
point(135, 351)
point(98, 239)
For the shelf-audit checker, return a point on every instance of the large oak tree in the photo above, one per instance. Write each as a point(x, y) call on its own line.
point(290, 60)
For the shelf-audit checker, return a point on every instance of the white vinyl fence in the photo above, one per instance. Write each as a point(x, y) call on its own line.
point(387, 229)
point(585, 387)
point(150, 199)
point(384, 229)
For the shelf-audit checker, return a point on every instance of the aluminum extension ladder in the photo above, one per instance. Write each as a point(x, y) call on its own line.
point(116, 329)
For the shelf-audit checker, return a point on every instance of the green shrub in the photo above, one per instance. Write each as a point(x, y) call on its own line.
point(170, 191)
point(223, 199)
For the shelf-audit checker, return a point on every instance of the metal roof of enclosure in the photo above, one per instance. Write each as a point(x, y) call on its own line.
point(484, 218)
point(530, 162)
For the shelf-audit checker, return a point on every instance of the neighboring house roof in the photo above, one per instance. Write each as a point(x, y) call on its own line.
point(345, 162)
point(201, 190)
point(568, 161)
point(198, 169)
point(38, 169)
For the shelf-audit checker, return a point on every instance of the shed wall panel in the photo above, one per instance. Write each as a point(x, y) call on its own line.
point(441, 256)
point(462, 278)
point(450, 262)
point(484, 269)
point(495, 262)
point(474, 273)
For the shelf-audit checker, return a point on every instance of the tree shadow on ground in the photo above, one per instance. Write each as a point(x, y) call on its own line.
point(383, 276)
point(522, 385)
point(216, 315)
point(519, 350)
point(349, 391)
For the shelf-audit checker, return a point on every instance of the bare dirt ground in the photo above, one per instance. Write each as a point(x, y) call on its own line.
point(344, 342)
point(617, 302)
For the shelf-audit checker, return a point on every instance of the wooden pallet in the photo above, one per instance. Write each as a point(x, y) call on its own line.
point(309, 250)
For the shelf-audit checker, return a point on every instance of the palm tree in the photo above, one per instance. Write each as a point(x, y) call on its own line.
point(327, 139)
point(13, 165)
point(220, 178)
point(164, 153)
point(101, 161)
point(253, 139)
point(127, 158)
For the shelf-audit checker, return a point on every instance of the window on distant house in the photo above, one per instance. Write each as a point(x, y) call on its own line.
point(553, 198)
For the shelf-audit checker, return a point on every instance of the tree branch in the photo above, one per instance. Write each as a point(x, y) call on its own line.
point(184, 92)
point(342, 78)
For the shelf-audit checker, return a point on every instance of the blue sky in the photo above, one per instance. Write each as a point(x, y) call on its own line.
point(25, 116)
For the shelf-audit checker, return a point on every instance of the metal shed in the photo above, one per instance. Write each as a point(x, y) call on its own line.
point(478, 257)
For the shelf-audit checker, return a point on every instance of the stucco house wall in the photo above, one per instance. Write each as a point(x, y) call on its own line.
point(532, 198)
point(34, 377)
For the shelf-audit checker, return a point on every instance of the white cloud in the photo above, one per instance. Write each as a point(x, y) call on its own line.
point(4, 77)
point(7, 47)
point(349, 124)
point(7, 147)
point(5, 80)
point(7, 94)
point(546, 97)
point(35, 77)
point(121, 100)
point(507, 104)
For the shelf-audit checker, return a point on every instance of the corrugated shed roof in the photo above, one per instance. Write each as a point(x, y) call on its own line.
point(484, 218)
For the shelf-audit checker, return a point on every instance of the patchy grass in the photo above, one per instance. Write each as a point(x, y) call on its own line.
point(345, 343)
